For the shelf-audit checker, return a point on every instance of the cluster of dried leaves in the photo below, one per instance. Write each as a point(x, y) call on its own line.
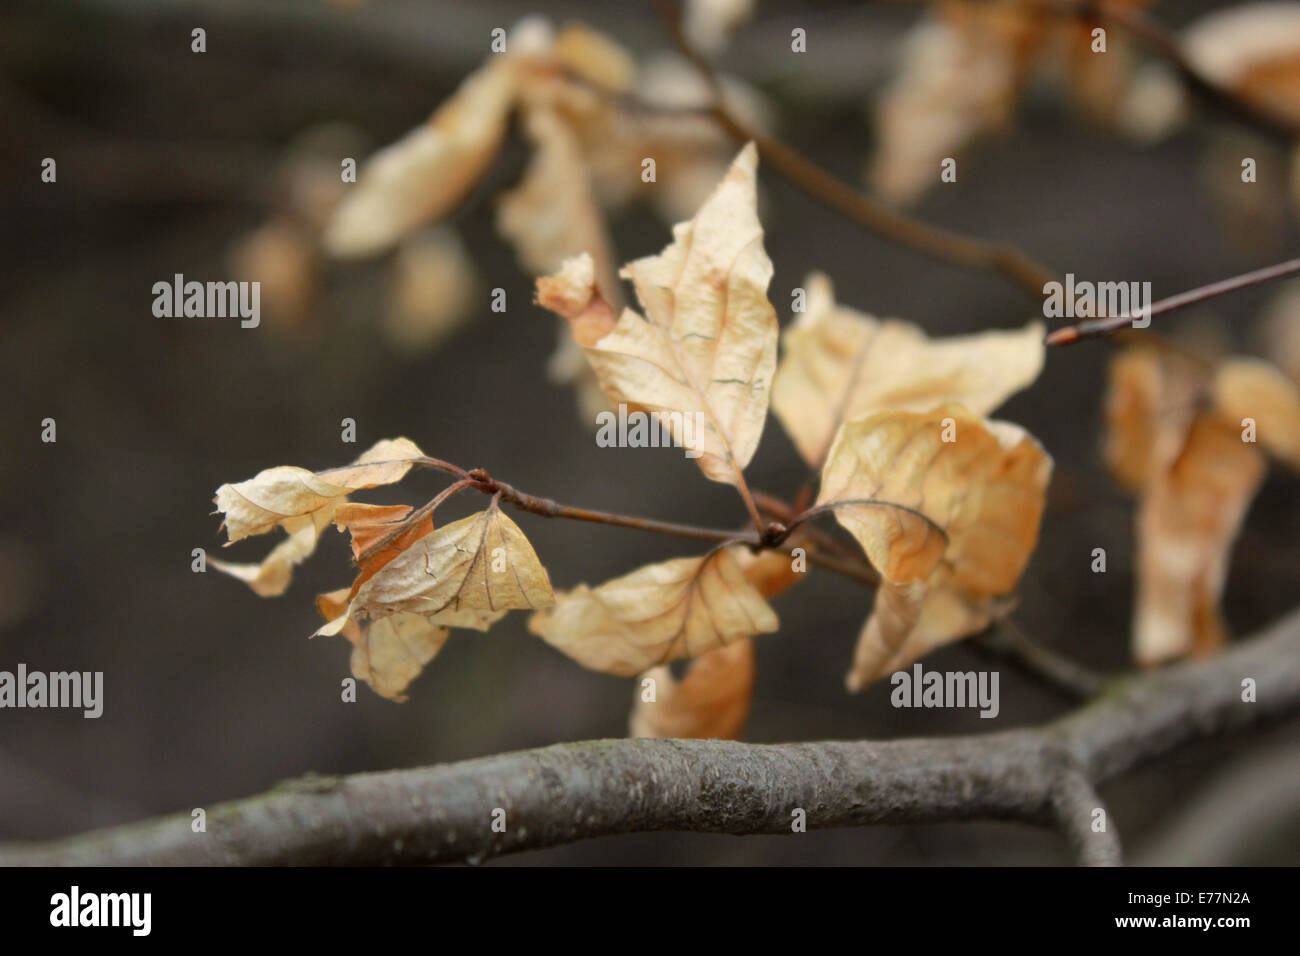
point(944, 503)
point(964, 69)
point(1191, 444)
point(589, 112)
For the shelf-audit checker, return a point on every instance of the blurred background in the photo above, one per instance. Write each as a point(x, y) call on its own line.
point(175, 162)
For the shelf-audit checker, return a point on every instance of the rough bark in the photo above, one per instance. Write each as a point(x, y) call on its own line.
point(1044, 776)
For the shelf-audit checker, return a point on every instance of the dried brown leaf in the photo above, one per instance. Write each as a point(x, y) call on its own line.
point(659, 613)
point(840, 364)
point(934, 516)
point(711, 701)
point(706, 349)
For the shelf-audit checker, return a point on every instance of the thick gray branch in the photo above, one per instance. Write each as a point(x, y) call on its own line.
point(1044, 776)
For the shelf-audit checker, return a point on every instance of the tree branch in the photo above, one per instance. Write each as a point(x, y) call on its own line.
point(1094, 328)
point(1044, 776)
point(909, 233)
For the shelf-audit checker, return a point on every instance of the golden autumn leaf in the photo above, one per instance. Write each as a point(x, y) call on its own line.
point(391, 652)
point(706, 349)
point(553, 215)
point(910, 620)
point(1250, 389)
point(1149, 405)
point(1193, 452)
point(421, 176)
point(276, 496)
point(940, 501)
point(1253, 51)
point(1187, 520)
point(303, 503)
point(273, 574)
point(659, 613)
point(471, 568)
point(963, 70)
point(711, 701)
point(840, 364)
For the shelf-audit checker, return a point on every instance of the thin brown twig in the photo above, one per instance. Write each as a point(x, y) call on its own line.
point(910, 233)
point(1045, 775)
point(1165, 45)
point(1095, 328)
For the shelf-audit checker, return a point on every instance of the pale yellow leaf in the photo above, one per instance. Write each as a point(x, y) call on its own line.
point(422, 176)
point(912, 499)
point(302, 503)
point(552, 215)
point(1187, 520)
point(840, 364)
point(957, 82)
point(1251, 389)
point(702, 358)
point(272, 576)
point(482, 563)
point(278, 495)
point(659, 613)
point(391, 652)
point(910, 620)
point(711, 701)
point(949, 524)
point(1252, 50)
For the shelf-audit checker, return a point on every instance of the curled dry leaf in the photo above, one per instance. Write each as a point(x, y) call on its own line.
point(424, 174)
point(390, 652)
point(272, 575)
point(303, 503)
point(468, 570)
point(659, 613)
point(1252, 389)
point(1253, 51)
point(1152, 400)
point(959, 515)
point(840, 364)
point(706, 349)
point(552, 215)
point(1183, 448)
point(711, 701)
point(953, 86)
point(963, 70)
point(1188, 518)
